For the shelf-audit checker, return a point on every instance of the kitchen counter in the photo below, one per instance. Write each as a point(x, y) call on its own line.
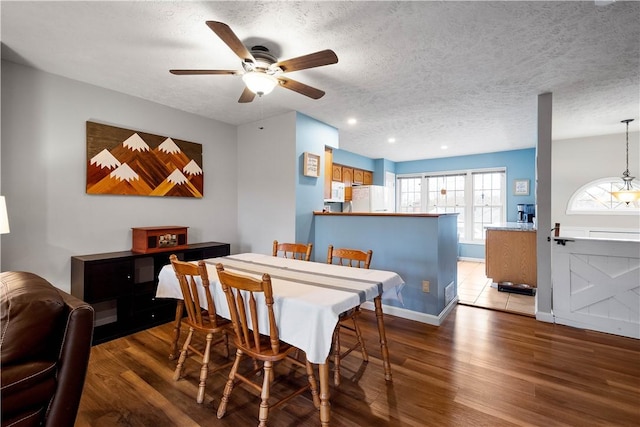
point(421, 248)
point(512, 226)
point(383, 214)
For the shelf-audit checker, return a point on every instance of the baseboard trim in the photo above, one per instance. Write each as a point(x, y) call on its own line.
point(543, 316)
point(466, 258)
point(428, 319)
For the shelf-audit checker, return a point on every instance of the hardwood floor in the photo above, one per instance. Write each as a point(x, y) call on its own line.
point(480, 368)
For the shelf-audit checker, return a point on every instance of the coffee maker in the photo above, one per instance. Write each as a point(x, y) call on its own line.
point(526, 212)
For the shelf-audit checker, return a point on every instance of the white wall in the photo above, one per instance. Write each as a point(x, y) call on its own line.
point(543, 193)
point(266, 183)
point(43, 174)
point(576, 162)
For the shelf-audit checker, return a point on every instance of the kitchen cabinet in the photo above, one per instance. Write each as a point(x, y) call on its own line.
point(336, 173)
point(350, 176)
point(345, 174)
point(510, 256)
point(347, 179)
point(328, 171)
point(358, 176)
point(368, 178)
point(121, 287)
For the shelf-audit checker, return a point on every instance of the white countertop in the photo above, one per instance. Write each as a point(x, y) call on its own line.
point(512, 226)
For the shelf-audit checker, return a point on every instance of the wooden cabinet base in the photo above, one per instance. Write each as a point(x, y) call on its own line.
point(121, 287)
point(511, 256)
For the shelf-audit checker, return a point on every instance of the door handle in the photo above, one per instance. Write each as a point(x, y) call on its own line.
point(563, 242)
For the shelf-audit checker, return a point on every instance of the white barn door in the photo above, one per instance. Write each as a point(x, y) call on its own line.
point(596, 285)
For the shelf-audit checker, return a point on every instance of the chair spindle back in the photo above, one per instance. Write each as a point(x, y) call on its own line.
point(241, 291)
point(293, 250)
point(349, 257)
point(188, 274)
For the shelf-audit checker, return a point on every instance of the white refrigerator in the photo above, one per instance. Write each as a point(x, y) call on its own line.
point(371, 198)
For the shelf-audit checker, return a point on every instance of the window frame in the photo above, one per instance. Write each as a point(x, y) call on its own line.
point(607, 180)
point(469, 207)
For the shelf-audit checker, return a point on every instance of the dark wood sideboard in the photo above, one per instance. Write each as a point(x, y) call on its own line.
point(121, 286)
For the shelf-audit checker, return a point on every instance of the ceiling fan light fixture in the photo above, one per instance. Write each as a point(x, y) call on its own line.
point(259, 83)
point(627, 194)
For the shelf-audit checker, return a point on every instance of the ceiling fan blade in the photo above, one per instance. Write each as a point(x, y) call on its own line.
point(247, 96)
point(301, 88)
point(312, 60)
point(225, 33)
point(188, 72)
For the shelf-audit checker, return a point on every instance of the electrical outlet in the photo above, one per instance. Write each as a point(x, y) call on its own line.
point(425, 286)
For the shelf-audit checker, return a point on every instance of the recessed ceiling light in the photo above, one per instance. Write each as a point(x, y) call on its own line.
point(444, 147)
point(352, 121)
point(391, 140)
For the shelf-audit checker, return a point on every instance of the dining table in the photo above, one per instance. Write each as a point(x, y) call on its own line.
point(308, 300)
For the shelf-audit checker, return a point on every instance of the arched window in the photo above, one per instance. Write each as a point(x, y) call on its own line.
point(595, 198)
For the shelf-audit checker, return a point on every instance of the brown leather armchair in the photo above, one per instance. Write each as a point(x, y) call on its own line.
point(45, 342)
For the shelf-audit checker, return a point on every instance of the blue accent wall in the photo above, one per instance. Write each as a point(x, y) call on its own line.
point(381, 167)
point(520, 164)
point(311, 136)
point(377, 166)
point(417, 248)
point(348, 158)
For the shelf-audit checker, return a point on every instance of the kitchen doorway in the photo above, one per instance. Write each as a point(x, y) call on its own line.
point(474, 288)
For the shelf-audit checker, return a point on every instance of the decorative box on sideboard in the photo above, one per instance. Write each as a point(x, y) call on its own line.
point(159, 239)
point(121, 286)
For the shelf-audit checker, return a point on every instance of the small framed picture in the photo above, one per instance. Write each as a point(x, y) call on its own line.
point(311, 165)
point(521, 187)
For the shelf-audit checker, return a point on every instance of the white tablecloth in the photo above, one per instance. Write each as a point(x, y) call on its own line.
point(309, 296)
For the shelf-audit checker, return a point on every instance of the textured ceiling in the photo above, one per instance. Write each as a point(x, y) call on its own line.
point(462, 74)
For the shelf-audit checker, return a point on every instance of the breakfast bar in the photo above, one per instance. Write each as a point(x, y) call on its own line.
point(422, 248)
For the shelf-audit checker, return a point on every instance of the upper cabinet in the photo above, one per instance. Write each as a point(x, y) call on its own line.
point(341, 173)
point(368, 178)
point(358, 176)
point(347, 176)
point(328, 171)
point(336, 173)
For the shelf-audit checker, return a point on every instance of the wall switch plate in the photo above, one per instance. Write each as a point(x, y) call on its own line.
point(425, 286)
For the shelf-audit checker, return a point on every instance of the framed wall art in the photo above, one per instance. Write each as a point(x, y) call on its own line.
point(521, 187)
point(128, 162)
point(311, 165)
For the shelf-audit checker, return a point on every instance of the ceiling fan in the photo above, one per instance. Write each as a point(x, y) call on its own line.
point(261, 71)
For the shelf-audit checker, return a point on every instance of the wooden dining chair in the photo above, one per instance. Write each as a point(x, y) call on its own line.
point(200, 320)
point(243, 294)
point(348, 320)
point(293, 250)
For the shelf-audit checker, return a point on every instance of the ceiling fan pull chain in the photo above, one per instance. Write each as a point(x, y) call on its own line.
point(261, 113)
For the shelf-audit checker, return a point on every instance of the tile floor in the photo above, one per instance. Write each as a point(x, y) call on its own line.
point(474, 288)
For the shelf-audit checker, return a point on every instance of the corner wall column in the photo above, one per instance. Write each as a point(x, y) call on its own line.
point(543, 210)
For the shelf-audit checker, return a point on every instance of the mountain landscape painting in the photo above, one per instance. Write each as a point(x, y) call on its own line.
point(128, 162)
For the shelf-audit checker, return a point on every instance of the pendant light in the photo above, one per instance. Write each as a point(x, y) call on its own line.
point(627, 194)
